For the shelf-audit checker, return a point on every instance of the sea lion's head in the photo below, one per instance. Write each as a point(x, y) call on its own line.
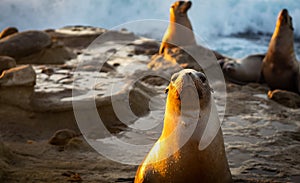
point(186, 80)
point(231, 70)
point(284, 20)
point(188, 106)
point(180, 8)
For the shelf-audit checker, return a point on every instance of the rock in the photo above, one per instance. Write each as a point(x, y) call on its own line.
point(77, 143)
point(19, 76)
point(5, 157)
point(286, 98)
point(24, 44)
point(139, 98)
point(155, 80)
point(8, 31)
point(180, 58)
point(62, 137)
point(146, 48)
point(18, 96)
point(6, 63)
point(48, 71)
point(55, 54)
point(76, 36)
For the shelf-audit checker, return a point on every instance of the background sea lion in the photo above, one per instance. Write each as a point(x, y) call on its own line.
point(176, 157)
point(280, 68)
point(245, 70)
point(179, 32)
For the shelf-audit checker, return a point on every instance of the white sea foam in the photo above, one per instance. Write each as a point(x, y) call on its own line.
point(209, 17)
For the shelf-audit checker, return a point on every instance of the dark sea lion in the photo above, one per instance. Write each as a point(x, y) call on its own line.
point(280, 68)
point(245, 70)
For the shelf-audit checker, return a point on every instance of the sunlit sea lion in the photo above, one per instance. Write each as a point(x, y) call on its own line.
point(280, 68)
point(176, 157)
point(179, 32)
point(245, 70)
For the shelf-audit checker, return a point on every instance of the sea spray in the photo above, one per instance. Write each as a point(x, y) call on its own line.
point(209, 17)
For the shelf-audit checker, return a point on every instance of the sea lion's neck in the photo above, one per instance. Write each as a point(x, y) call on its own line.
point(182, 20)
point(282, 43)
point(172, 117)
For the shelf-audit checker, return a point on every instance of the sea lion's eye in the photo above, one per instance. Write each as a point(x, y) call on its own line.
point(201, 76)
point(166, 90)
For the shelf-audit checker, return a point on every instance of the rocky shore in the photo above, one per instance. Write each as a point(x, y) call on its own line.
point(44, 72)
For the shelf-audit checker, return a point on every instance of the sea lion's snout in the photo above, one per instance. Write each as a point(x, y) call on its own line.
point(185, 6)
point(285, 18)
point(201, 83)
point(285, 12)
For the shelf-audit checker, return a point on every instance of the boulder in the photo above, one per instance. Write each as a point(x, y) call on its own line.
point(187, 57)
point(285, 98)
point(147, 47)
point(78, 37)
point(6, 63)
point(54, 54)
point(24, 44)
point(62, 137)
point(8, 31)
point(19, 76)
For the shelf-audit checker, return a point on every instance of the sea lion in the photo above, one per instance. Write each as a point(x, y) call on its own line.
point(280, 68)
point(245, 70)
point(176, 157)
point(8, 31)
point(180, 31)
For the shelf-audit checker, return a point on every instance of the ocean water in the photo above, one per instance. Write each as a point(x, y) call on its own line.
point(216, 22)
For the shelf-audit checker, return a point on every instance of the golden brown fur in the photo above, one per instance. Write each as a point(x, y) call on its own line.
point(179, 32)
point(280, 68)
point(169, 160)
